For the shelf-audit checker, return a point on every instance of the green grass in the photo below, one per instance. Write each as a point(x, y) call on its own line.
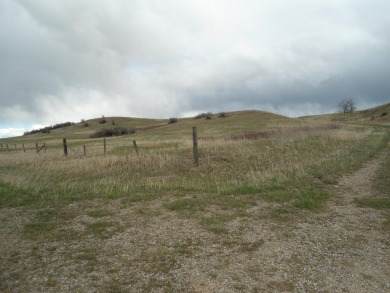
point(99, 213)
point(375, 203)
point(49, 223)
point(312, 199)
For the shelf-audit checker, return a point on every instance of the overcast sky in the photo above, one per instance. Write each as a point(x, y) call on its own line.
point(79, 59)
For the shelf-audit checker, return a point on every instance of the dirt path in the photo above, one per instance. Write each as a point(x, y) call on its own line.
point(346, 248)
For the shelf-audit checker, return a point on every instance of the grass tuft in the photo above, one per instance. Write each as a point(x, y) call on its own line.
point(375, 203)
point(312, 199)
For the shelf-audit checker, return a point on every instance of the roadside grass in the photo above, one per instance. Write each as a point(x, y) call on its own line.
point(375, 203)
point(381, 199)
point(50, 223)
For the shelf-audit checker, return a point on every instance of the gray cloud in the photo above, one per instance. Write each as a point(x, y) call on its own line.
point(77, 59)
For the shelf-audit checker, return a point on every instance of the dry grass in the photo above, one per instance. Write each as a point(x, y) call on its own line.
point(141, 220)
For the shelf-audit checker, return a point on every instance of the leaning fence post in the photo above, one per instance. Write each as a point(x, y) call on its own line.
point(135, 146)
point(36, 146)
point(85, 151)
point(104, 146)
point(65, 147)
point(195, 145)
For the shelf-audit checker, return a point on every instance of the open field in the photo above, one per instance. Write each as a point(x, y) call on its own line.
point(276, 205)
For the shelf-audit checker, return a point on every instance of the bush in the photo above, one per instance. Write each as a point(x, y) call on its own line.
point(115, 131)
point(222, 114)
point(207, 115)
point(102, 120)
point(172, 120)
point(48, 128)
point(85, 123)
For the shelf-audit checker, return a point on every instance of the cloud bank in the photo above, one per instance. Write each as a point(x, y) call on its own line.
point(78, 59)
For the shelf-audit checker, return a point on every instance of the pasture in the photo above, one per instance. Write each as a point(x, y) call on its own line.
point(151, 220)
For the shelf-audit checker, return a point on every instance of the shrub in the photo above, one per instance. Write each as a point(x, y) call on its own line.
point(115, 131)
point(85, 123)
point(222, 114)
point(172, 120)
point(47, 129)
point(383, 114)
point(207, 115)
point(102, 120)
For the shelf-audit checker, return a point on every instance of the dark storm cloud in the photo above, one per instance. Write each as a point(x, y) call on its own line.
point(67, 60)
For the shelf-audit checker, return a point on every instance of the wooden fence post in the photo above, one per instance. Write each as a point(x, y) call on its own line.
point(24, 150)
point(195, 144)
point(135, 146)
point(36, 146)
point(104, 145)
point(65, 147)
point(85, 151)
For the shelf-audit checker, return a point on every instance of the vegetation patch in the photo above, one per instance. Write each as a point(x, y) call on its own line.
point(375, 203)
point(186, 204)
point(47, 129)
point(312, 199)
point(104, 229)
point(99, 213)
point(11, 196)
point(114, 131)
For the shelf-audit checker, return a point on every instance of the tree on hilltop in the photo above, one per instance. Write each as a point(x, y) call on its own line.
point(347, 106)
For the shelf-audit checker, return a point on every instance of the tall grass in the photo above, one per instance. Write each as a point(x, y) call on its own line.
point(284, 166)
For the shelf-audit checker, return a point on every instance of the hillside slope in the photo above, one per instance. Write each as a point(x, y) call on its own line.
point(233, 122)
point(379, 114)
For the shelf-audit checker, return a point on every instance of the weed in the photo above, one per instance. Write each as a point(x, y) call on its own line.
point(36, 230)
point(375, 203)
point(312, 199)
point(104, 229)
point(186, 204)
point(251, 246)
point(148, 212)
point(99, 213)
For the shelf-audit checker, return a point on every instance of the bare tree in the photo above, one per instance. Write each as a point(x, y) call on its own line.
point(347, 106)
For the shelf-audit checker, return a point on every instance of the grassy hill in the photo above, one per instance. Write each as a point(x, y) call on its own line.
point(379, 114)
point(234, 122)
